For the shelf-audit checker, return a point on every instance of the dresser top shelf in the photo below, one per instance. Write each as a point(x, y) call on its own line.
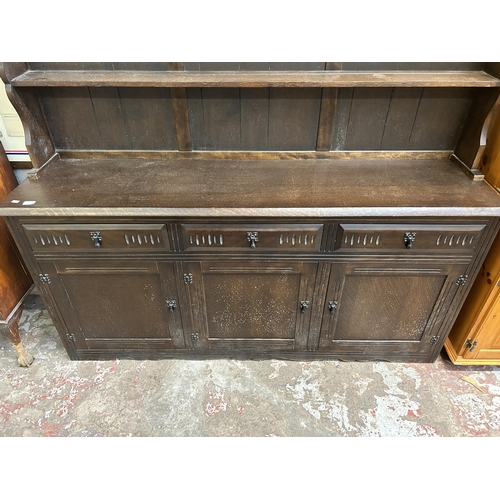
point(252, 188)
point(89, 78)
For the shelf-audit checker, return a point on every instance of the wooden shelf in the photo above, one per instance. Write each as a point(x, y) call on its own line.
point(255, 79)
point(259, 188)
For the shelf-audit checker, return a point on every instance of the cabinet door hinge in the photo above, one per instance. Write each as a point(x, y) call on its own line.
point(470, 345)
point(188, 278)
point(44, 278)
point(462, 280)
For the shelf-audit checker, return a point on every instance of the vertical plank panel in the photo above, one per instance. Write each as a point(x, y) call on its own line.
point(221, 112)
point(148, 115)
point(196, 118)
point(222, 118)
point(367, 118)
point(113, 131)
point(70, 117)
point(402, 112)
point(327, 112)
point(181, 113)
point(293, 118)
point(400, 118)
point(368, 113)
point(440, 117)
point(342, 112)
point(255, 119)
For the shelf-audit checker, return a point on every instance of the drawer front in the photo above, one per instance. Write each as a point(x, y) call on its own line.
point(98, 237)
point(252, 237)
point(442, 238)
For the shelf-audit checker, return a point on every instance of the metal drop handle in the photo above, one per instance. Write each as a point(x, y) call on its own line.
point(253, 238)
point(408, 239)
point(304, 304)
point(171, 304)
point(96, 237)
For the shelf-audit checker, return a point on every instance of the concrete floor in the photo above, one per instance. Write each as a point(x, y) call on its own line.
point(59, 397)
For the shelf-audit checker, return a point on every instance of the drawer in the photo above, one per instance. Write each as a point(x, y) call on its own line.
point(98, 237)
point(440, 238)
point(252, 237)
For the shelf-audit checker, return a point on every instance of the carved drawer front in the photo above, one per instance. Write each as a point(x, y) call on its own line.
point(252, 237)
point(440, 238)
point(98, 237)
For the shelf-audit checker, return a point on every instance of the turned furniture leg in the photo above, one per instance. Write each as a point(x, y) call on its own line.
point(11, 331)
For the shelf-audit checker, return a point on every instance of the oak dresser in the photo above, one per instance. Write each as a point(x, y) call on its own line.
point(291, 210)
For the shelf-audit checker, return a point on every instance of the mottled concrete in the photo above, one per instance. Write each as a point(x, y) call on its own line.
point(59, 397)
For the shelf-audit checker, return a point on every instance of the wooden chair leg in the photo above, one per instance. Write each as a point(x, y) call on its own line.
point(11, 331)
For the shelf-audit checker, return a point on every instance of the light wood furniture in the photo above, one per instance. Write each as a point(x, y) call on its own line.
point(15, 281)
point(303, 210)
point(475, 336)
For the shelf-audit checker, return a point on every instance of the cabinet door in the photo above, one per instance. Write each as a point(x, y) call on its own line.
point(112, 305)
point(483, 345)
point(258, 306)
point(388, 311)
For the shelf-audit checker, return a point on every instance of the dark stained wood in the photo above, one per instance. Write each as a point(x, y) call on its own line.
point(70, 117)
point(256, 79)
point(256, 155)
point(37, 136)
point(367, 118)
point(95, 293)
point(439, 118)
point(267, 246)
point(402, 112)
point(293, 126)
point(15, 281)
point(181, 113)
point(400, 118)
point(239, 187)
point(260, 299)
point(221, 119)
point(108, 110)
point(474, 135)
point(389, 293)
point(327, 112)
point(255, 119)
point(181, 119)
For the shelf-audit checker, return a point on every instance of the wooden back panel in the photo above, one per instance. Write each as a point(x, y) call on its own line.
point(256, 119)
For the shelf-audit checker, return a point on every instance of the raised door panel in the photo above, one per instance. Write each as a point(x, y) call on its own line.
point(116, 305)
point(258, 306)
point(384, 311)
